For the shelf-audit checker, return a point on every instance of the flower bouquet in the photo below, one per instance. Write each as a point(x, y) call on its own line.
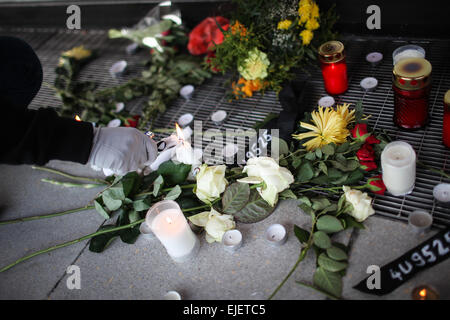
point(265, 41)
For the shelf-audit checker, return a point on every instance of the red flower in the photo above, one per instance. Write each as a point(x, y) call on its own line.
point(366, 153)
point(209, 56)
point(368, 165)
point(132, 122)
point(360, 130)
point(207, 34)
point(376, 184)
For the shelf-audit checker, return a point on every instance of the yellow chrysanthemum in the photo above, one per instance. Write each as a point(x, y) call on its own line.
point(312, 24)
point(348, 115)
point(329, 127)
point(284, 25)
point(77, 53)
point(315, 11)
point(307, 36)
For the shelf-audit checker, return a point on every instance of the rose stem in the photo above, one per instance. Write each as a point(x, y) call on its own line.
point(68, 243)
point(47, 215)
point(101, 181)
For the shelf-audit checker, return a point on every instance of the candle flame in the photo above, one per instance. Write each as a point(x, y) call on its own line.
point(423, 293)
point(180, 134)
point(77, 118)
point(169, 220)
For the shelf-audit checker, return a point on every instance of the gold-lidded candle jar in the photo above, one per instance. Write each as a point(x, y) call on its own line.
point(411, 79)
point(334, 67)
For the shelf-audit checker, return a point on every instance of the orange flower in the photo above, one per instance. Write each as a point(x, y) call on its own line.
point(237, 27)
point(246, 88)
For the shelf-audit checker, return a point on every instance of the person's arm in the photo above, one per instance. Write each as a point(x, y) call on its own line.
point(37, 136)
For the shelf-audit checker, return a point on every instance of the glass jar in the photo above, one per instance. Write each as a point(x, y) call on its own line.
point(411, 86)
point(446, 122)
point(334, 67)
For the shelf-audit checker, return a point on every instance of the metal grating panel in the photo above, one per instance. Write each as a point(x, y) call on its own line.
point(245, 113)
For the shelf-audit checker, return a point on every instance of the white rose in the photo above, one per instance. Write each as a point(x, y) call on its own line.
point(211, 182)
point(266, 169)
point(215, 224)
point(362, 203)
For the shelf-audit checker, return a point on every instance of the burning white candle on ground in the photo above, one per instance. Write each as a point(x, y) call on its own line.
point(276, 234)
point(172, 295)
point(441, 193)
point(326, 101)
point(118, 69)
point(398, 162)
point(185, 119)
point(374, 58)
point(169, 225)
point(187, 91)
point(232, 240)
point(219, 117)
point(420, 220)
point(369, 83)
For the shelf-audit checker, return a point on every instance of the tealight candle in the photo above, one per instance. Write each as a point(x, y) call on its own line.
point(374, 58)
point(172, 295)
point(114, 123)
point(230, 150)
point(118, 69)
point(187, 91)
point(185, 119)
point(146, 231)
point(369, 83)
point(232, 240)
point(424, 292)
point(398, 162)
point(420, 220)
point(276, 234)
point(119, 107)
point(408, 51)
point(441, 193)
point(326, 101)
point(169, 225)
point(218, 117)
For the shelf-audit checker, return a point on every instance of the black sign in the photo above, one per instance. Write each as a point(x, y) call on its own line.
point(397, 272)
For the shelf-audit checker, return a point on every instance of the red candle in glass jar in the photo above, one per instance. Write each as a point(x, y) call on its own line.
point(411, 86)
point(334, 67)
point(446, 122)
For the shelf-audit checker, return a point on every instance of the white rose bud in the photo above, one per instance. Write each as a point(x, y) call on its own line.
point(362, 203)
point(275, 177)
point(215, 224)
point(211, 182)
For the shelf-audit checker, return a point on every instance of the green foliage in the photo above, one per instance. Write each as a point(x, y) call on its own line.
point(174, 174)
point(235, 197)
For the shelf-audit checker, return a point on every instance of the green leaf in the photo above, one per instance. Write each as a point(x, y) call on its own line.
point(307, 209)
point(157, 184)
point(133, 216)
point(331, 265)
point(142, 204)
point(354, 177)
point(351, 222)
point(174, 193)
point(129, 235)
point(328, 149)
point(318, 153)
point(328, 281)
point(102, 241)
point(323, 167)
point(98, 203)
point(305, 173)
point(343, 147)
point(320, 203)
point(111, 203)
point(235, 197)
point(321, 240)
point(174, 174)
point(305, 200)
point(255, 210)
point(310, 156)
point(301, 234)
point(115, 192)
point(130, 183)
point(287, 194)
point(296, 162)
point(329, 224)
point(336, 253)
point(282, 145)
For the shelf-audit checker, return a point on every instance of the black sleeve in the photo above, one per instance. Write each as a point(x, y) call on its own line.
point(37, 136)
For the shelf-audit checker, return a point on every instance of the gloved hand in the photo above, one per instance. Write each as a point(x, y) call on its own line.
point(121, 150)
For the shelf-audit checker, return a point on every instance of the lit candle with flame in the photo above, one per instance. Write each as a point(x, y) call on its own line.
point(169, 225)
point(77, 118)
point(424, 293)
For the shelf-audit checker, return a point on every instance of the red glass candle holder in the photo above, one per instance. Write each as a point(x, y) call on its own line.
point(411, 86)
point(334, 67)
point(446, 122)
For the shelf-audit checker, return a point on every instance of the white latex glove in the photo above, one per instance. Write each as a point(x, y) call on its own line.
point(121, 150)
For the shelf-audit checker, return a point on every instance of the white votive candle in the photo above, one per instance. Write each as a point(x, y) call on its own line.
point(169, 225)
point(398, 162)
point(441, 193)
point(420, 220)
point(276, 234)
point(172, 295)
point(232, 240)
point(374, 58)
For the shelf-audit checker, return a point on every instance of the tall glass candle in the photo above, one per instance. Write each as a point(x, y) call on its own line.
point(169, 225)
point(334, 67)
point(411, 86)
point(446, 122)
point(398, 162)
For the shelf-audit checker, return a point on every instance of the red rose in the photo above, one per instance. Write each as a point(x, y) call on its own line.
point(372, 140)
point(207, 34)
point(132, 122)
point(366, 153)
point(360, 130)
point(376, 184)
point(368, 165)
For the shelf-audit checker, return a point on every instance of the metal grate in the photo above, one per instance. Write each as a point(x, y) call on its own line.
point(245, 113)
